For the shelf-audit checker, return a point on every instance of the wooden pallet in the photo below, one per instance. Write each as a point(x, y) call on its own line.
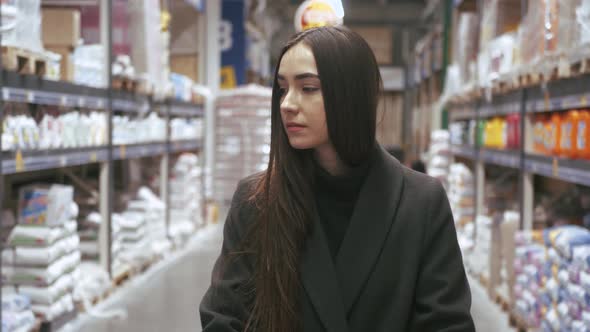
point(483, 280)
point(23, 61)
point(118, 280)
point(517, 322)
point(125, 84)
point(502, 302)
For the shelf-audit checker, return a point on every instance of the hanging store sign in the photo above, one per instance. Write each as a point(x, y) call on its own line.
point(232, 36)
point(318, 13)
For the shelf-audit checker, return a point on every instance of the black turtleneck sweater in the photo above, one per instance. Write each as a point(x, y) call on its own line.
point(336, 197)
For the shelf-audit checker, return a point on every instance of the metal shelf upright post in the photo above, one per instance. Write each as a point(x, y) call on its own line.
point(106, 167)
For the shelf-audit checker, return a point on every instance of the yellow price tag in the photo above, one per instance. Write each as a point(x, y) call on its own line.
point(123, 151)
point(555, 167)
point(19, 161)
point(547, 100)
point(93, 157)
point(583, 101)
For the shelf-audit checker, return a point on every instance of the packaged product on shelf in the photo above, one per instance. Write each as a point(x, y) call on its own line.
point(61, 27)
point(465, 52)
point(582, 146)
point(45, 205)
point(89, 65)
point(498, 17)
point(539, 30)
point(93, 282)
point(461, 194)
point(439, 152)
point(24, 29)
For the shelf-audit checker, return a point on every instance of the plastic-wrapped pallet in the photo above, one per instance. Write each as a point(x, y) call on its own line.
point(552, 272)
point(185, 197)
point(243, 127)
point(461, 194)
point(439, 152)
point(42, 255)
point(24, 28)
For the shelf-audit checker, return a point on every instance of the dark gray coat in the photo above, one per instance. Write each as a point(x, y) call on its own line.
point(399, 267)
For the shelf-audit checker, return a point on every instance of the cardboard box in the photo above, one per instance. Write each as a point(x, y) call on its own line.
point(380, 39)
point(61, 27)
point(187, 65)
point(67, 64)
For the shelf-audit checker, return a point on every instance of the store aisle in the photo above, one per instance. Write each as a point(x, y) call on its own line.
point(168, 301)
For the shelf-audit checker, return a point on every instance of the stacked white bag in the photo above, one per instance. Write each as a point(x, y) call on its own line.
point(440, 151)
point(185, 197)
point(479, 261)
point(42, 256)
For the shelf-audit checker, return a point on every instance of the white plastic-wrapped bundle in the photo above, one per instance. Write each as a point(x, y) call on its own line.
point(22, 28)
point(243, 121)
point(439, 152)
point(461, 194)
point(185, 197)
point(478, 262)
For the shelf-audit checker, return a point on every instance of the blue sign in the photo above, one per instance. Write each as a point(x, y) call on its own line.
point(232, 37)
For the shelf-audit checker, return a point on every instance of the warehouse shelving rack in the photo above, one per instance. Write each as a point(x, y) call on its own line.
point(31, 89)
point(552, 96)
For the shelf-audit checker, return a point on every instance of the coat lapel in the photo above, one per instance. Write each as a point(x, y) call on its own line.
point(369, 226)
point(320, 281)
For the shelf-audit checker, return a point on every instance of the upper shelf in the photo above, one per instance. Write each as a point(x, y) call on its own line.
point(559, 95)
point(28, 161)
point(34, 90)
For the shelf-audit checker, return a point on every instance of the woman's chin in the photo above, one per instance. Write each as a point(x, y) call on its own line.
point(300, 145)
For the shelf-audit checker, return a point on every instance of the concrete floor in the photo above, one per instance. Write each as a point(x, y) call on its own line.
point(169, 300)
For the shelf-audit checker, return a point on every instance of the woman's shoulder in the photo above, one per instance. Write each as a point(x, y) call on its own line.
point(417, 184)
point(243, 205)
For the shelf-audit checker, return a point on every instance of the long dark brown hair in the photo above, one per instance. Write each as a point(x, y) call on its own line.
point(284, 198)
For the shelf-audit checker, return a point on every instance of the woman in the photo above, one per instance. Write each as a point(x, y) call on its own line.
point(336, 235)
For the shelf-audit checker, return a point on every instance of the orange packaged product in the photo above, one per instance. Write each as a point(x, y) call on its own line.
point(567, 141)
point(553, 134)
point(538, 133)
point(582, 149)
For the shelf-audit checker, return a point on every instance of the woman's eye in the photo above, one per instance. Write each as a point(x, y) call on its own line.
point(282, 91)
point(310, 89)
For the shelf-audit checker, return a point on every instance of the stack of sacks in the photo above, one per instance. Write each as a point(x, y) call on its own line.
point(93, 283)
point(479, 259)
point(153, 210)
point(185, 197)
point(133, 234)
point(461, 194)
point(440, 150)
point(567, 290)
point(505, 252)
point(89, 233)
point(531, 269)
point(43, 255)
point(16, 313)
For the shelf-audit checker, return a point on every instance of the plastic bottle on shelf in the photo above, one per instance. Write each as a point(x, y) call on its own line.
point(513, 131)
point(502, 133)
point(582, 149)
point(481, 134)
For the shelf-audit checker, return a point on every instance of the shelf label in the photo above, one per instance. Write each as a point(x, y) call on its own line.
point(93, 157)
point(63, 161)
point(583, 101)
point(19, 161)
point(546, 100)
point(30, 96)
point(555, 167)
point(123, 151)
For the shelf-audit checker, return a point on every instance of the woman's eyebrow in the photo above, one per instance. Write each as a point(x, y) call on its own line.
point(299, 76)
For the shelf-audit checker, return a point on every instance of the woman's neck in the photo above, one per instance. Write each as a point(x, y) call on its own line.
point(327, 157)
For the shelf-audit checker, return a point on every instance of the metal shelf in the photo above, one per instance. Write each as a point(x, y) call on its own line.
point(464, 151)
point(180, 108)
point(569, 170)
point(501, 158)
point(135, 151)
point(185, 145)
point(501, 105)
point(27, 161)
point(464, 111)
point(559, 95)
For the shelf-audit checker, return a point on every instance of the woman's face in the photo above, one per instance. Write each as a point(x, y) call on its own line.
point(302, 103)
